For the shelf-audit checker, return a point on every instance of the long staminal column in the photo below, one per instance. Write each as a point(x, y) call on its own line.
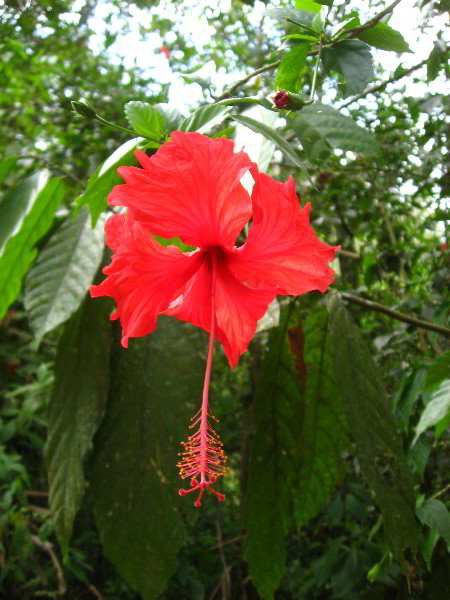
point(203, 458)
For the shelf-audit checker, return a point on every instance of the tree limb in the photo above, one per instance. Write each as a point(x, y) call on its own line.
point(375, 306)
point(227, 93)
point(48, 548)
point(351, 33)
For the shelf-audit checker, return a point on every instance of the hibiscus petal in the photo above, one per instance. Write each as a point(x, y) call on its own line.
point(143, 276)
point(282, 248)
point(237, 307)
point(189, 189)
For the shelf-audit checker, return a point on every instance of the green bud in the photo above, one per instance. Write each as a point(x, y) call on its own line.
point(288, 101)
point(83, 109)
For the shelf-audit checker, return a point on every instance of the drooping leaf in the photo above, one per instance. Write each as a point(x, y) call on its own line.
point(353, 60)
point(320, 128)
point(155, 389)
point(258, 147)
point(382, 36)
point(76, 409)
point(96, 195)
point(204, 118)
point(17, 202)
point(406, 400)
point(58, 282)
point(301, 433)
point(379, 448)
point(264, 102)
point(292, 67)
point(19, 251)
point(272, 135)
point(436, 410)
point(434, 513)
point(145, 118)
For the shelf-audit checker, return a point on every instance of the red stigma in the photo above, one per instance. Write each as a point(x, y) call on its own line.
point(203, 458)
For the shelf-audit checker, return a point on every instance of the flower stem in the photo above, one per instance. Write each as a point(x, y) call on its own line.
point(203, 455)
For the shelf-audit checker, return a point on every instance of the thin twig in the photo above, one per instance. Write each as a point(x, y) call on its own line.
point(349, 254)
point(441, 492)
point(376, 306)
point(51, 166)
point(229, 92)
point(48, 548)
point(351, 33)
point(226, 583)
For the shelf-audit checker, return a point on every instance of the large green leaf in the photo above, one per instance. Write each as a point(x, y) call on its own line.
point(379, 448)
point(385, 38)
point(308, 5)
point(204, 118)
point(145, 119)
point(292, 67)
point(156, 387)
point(300, 434)
point(19, 250)
point(58, 282)
point(434, 513)
point(96, 195)
point(17, 202)
point(353, 60)
point(320, 128)
point(272, 135)
point(76, 409)
point(171, 114)
point(324, 432)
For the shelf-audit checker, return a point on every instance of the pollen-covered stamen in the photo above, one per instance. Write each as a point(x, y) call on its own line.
point(203, 456)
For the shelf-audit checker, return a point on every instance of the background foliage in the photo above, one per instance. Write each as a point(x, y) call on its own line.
point(336, 420)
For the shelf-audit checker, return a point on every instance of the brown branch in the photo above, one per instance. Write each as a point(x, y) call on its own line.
point(379, 86)
point(48, 548)
point(369, 304)
point(349, 254)
point(229, 92)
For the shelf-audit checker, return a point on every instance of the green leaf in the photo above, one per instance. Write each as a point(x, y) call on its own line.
point(292, 68)
point(299, 16)
point(19, 250)
point(300, 434)
point(272, 135)
point(172, 115)
point(307, 5)
point(437, 408)
point(247, 100)
point(58, 282)
point(77, 406)
point(6, 166)
point(17, 203)
point(438, 371)
point(96, 195)
point(299, 36)
point(379, 448)
point(324, 432)
point(434, 513)
point(353, 60)
point(385, 38)
point(434, 63)
point(320, 128)
point(156, 387)
point(145, 119)
point(429, 544)
point(205, 118)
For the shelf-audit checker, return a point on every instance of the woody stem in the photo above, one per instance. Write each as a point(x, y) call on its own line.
point(204, 414)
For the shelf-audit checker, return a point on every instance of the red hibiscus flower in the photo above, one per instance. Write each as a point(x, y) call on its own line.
point(191, 189)
point(165, 50)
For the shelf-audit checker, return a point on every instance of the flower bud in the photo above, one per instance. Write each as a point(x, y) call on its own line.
point(83, 109)
point(288, 101)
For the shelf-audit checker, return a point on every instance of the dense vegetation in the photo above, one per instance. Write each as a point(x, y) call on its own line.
point(336, 420)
